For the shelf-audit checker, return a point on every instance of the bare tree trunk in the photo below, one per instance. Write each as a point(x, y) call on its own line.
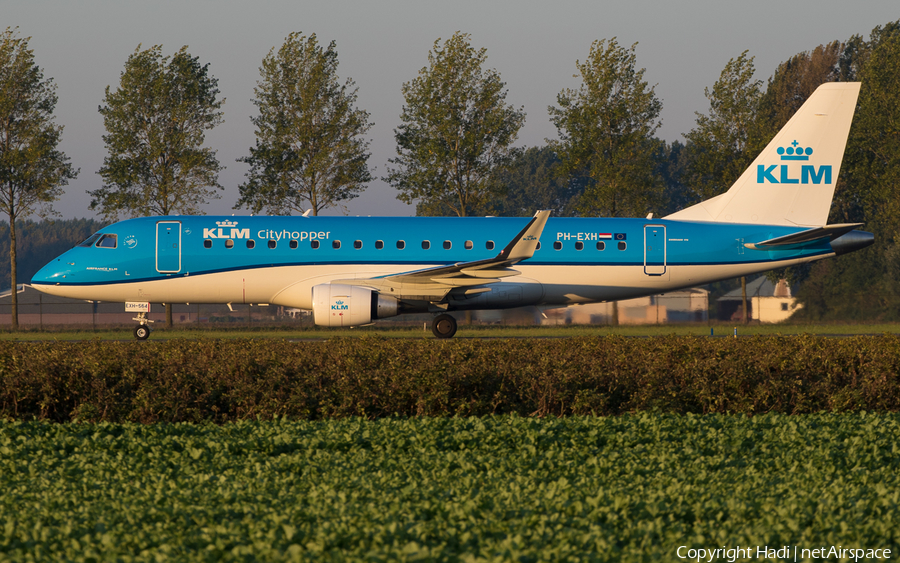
point(614, 319)
point(168, 315)
point(14, 301)
point(744, 298)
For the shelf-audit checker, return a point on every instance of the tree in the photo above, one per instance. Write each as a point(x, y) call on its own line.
point(671, 166)
point(606, 130)
point(309, 149)
point(156, 123)
point(533, 182)
point(851, 198)
point(863, 285)
point(456, 134)
point(725, 142)
point(872, 174)
point(32, 169)
point(795, 80)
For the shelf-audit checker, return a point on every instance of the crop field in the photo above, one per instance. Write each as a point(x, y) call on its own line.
point(404, 449)
point(497, 488)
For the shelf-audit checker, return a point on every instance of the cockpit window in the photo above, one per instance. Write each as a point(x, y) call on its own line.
point(91, 239)
point(107, 241)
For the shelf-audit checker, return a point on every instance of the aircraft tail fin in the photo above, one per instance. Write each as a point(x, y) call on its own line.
point(792, 180)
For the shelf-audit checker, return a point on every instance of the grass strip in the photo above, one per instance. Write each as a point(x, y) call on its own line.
point(471, 331)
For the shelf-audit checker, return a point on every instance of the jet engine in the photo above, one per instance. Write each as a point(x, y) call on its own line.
point(350, 305)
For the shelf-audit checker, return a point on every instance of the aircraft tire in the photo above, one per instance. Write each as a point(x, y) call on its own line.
point(142, 332)
point(443, 326)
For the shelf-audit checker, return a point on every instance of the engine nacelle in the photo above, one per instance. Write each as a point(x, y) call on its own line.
point(350, 305)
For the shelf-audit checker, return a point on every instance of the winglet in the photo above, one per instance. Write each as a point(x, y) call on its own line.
point(522, 246)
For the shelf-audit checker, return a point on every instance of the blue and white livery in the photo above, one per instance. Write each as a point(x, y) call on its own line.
point(352, 271)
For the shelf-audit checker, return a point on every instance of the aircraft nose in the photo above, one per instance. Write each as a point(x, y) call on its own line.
point(55, 272)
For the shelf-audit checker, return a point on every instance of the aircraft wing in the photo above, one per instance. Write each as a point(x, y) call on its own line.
point(431, 283)
point(831, 231)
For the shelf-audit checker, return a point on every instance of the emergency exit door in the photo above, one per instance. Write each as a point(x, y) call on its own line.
point(168, 247)
point(654, 250)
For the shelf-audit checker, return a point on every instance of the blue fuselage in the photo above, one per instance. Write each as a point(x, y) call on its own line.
point(278, 259)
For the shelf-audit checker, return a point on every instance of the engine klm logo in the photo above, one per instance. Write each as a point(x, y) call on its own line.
point(226, 229)
point(781, 174)
point(339, 306)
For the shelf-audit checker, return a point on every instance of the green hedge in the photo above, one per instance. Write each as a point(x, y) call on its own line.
point(371, 377)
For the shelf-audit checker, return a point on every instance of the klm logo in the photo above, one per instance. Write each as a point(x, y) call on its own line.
point(784, 174)
point(339, 306)
point(226, 229)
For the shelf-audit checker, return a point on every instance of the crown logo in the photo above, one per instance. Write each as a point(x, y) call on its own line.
point(339, 302)
point(795, 152)
point(226, 223)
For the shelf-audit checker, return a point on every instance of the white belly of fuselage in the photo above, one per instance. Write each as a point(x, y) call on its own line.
point(292, 285)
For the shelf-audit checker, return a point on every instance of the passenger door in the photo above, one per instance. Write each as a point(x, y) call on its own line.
point(654, 250)
point(168, 247)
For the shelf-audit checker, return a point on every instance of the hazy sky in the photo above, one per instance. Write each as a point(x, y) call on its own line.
point(534, 45)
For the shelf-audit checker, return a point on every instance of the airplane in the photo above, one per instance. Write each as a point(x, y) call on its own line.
point(353, 271)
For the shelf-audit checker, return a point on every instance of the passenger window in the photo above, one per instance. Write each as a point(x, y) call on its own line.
point(601, 245)
point(579, 245)
point(292, 244)
point(251, 243)
point(379, 244)
point(272, 244)
point(448, 245)
point(426, 244)
point(357, 244)
point(489, 245)
point(468, 245)
point(314, 244)
point(557, 245)
point(107, 241)
point(401, 244)
point(622, 245)
point(335, 244)
point(229, 243)
point(207, 243)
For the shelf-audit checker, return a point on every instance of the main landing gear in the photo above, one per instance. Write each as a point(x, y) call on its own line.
point(443, 326)
point(142, 331)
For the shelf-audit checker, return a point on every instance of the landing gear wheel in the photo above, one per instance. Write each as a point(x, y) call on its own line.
point(142, 332)
point(443, 326)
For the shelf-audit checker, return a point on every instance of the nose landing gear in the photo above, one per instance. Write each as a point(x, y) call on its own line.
point(443, 326)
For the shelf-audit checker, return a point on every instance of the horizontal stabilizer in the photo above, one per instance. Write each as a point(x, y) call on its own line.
point(830, 231)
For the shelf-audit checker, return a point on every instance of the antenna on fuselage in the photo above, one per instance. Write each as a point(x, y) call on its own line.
point(306, 213)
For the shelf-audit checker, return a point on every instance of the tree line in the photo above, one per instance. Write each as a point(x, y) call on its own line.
point(456, 151)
